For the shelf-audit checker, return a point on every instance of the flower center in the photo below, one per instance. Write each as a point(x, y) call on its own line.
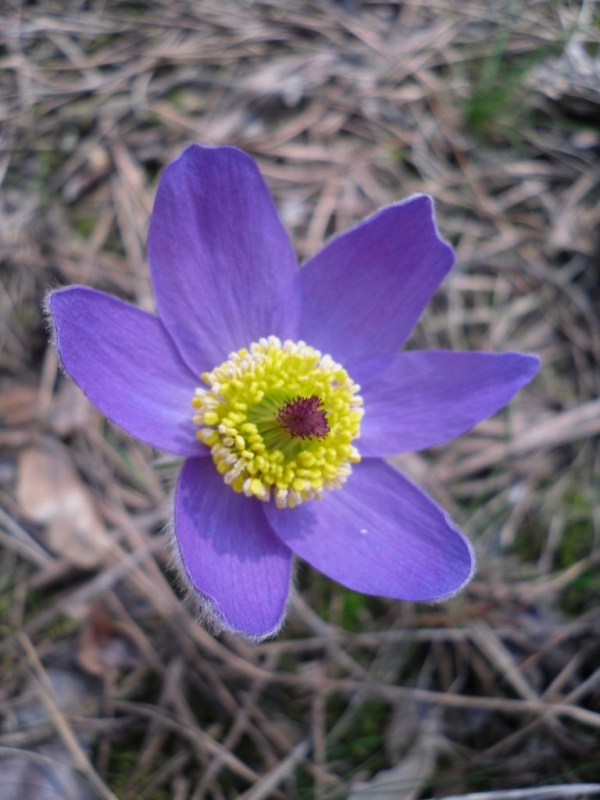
point(280, 418)
point(304, 418)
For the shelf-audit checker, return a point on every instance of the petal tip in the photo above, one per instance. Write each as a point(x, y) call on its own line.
point(428, 207)
point(49, 304)
point(194, 154)
point(525, 367)
point(469, 568)
point(534, 363)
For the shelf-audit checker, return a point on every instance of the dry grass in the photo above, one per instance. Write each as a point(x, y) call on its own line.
point(108, 685)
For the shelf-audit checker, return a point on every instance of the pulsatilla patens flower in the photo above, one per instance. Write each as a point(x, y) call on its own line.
point(284, 389)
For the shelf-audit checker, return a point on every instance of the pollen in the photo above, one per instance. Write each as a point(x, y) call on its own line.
point(280, 419)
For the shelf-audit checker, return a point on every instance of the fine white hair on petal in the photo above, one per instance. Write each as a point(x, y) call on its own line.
point(51, 325)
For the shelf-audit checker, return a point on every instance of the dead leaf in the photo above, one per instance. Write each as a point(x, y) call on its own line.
point(407, 779)
point(46, 771)
point(103, 648)
point(18, 404)
point(70, 410)
point(50, 492)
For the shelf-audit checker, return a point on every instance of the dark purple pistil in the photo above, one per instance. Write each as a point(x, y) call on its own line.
point(304, 418)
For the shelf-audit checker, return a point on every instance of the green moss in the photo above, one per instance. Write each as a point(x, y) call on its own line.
point(529, 544)
point(342, 607)
point(85, 225)
point(578, 538)
point(122, 762)
point(582, 594)
point(494, 110)
point(364, 734)
point(61, 627)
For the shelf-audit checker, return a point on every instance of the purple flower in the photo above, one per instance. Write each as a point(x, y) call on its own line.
point(284, 389)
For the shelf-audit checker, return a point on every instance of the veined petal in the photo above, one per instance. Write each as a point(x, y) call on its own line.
point(363, 293)
point(126, 363)
point(379, 535)
point(427, 397)
point(229, 552)
point(223, 268)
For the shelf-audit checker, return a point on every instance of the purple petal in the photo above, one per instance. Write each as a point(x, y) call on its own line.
point(127, 365)
point(380, 535)
point(223, 268)
point(363, 293)
point(430, 396)
point(229, 552)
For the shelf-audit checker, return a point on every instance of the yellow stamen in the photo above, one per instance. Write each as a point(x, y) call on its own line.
point(280, 419)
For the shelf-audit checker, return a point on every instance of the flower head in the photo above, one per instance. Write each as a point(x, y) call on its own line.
point(284, 389)
point(280, 418)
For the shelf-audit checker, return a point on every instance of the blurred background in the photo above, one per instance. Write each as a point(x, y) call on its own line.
point(108, 686)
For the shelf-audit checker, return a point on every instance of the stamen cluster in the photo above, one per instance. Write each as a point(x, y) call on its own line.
point(281, 418)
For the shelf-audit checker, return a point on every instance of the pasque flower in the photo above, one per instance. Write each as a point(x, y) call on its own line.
point(284, 389)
